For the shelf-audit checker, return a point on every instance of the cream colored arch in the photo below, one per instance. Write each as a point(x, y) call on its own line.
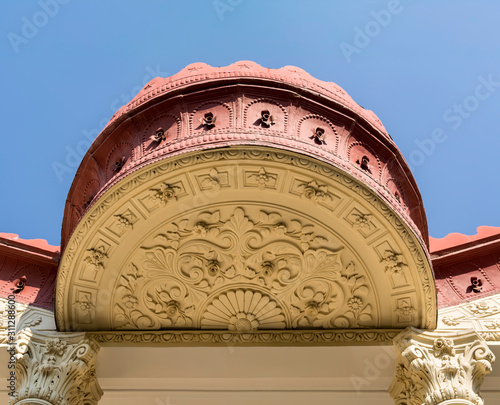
point(244, 240)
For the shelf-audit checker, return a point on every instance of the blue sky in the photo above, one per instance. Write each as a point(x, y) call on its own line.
point(425, 68)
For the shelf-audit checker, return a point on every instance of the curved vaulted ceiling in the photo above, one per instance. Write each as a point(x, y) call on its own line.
point(244, 199)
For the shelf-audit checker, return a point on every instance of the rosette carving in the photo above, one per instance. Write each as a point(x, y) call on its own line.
point(185, 274)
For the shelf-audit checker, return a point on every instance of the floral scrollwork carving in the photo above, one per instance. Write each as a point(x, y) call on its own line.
point(192, 265)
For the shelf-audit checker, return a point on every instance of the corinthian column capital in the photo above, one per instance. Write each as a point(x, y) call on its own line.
point(439, 369)
point(56, 369)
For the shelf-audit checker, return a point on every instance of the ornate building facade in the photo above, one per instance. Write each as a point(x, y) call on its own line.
point(251, 235)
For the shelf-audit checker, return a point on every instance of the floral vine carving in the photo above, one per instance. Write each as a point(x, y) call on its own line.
point(195, 263)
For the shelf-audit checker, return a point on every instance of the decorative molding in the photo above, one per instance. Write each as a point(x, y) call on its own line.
point(227, 268)
point(124, 221)
point(259, 337)
point(213, 180)
point(283, 118)
point(363, 222)
point(56, 367)
point(326, 122)
point(215, 104)
point(433, 369)
point(333, 177)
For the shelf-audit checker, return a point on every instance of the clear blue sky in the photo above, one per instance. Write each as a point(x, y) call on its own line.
point(420, 66)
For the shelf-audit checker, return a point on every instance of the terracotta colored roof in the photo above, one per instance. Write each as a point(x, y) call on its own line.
point(466, 267)
point(34, 259)
point(174, 105)
point(292, 75)
point(455, 240)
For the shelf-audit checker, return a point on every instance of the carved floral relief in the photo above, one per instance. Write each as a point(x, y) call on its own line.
point(226, 269)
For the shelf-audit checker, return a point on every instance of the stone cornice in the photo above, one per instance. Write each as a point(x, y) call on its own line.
point(218, 337)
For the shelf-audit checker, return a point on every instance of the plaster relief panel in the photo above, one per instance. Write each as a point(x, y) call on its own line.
point(482, 315)
point(405, 309)
point(84, 307)
point(266, 114)
point(122, 221)
point(161, 194)
point(243, 269)
point(213, 179)
point(95, 260)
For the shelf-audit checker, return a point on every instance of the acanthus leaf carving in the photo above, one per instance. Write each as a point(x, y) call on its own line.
point(58, 368)
point(432, 369)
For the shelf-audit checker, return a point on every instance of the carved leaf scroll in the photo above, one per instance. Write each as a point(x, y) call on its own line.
point(192, 268)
